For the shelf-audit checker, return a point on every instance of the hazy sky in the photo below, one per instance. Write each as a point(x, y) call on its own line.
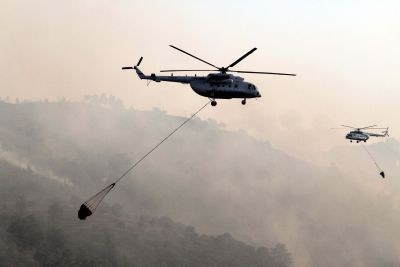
point(346, 55)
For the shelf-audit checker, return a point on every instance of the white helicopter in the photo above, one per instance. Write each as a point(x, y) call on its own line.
point(219, 85)
point(358, 135)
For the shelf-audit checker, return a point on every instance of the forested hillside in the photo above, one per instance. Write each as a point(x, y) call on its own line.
point(54, 155)
point(45, 173)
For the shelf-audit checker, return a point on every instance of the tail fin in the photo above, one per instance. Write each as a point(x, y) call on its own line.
point(139, 72)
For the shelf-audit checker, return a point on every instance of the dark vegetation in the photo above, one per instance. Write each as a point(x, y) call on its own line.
point(54, 155)
point(39, 227)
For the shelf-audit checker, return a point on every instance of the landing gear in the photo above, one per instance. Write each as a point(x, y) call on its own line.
point(365, 141)
point(358, 142)
point(351, 141)
point(244, 101)
point(213, 103)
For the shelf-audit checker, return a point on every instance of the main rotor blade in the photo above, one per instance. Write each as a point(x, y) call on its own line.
point(349, 127)
point(242, 57)
point(193, 56)
point(367, 127)
point(184, 70)
point(261, 72)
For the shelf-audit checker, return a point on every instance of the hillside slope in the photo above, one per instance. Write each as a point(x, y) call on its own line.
point(215, 180)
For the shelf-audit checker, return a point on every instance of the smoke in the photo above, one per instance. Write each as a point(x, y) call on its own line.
point(52, 50)
point(218, 180)
point(25, 163)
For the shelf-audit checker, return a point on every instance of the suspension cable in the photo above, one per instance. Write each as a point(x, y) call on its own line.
point(90, 205)
point(381, 172)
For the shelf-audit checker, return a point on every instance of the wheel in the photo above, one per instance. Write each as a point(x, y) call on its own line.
point(351, 141)
point(213, 103)
point(358, 141)
point(244, 102)
point(365, 141)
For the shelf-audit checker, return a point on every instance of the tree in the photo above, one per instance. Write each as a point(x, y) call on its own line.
point(280, 256)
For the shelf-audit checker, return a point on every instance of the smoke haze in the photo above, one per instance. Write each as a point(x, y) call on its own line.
point(217, 180)
point(344, 55)
point(269, 172)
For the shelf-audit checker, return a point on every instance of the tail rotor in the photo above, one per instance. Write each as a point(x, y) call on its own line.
point(386, 132)
point(137, 65)
point(140, 61)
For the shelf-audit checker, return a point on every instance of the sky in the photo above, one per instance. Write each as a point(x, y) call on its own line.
point(345, 54)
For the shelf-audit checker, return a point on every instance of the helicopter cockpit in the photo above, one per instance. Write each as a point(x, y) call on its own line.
point(251, 87)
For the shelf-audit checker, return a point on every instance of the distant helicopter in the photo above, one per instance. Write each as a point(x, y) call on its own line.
point(219, 85)
point(358, 135)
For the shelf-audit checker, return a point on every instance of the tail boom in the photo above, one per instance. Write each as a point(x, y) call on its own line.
point(155, 78)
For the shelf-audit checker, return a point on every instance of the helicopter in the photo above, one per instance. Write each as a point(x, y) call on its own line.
point(220, 85)
point(358, 135)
